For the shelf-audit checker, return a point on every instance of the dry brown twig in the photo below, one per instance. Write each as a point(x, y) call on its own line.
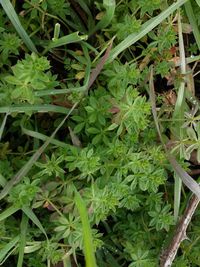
point(170, 252)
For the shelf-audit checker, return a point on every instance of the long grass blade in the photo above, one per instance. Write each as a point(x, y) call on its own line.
point(8, 248)
point(8, 212)
point(59, 91)
point(8, 8)
point(87, 235)
point(31, 215)
point(146, 27)
point(22, 242)
point(43, 137)
point(186, 178)
point(193, 22)
point(33, 108)
point(179, 114)
point(90, 17)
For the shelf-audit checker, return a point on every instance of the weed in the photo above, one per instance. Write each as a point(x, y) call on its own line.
point(99, 189)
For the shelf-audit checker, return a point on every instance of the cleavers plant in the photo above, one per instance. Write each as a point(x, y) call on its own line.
point(103, 183)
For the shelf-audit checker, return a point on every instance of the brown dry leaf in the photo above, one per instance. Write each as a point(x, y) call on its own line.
point(146, 60)
point(190, 81)
point(75, 140)
point(170, 98)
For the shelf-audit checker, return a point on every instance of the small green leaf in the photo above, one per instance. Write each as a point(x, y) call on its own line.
point(93, 130)
point(112, 126)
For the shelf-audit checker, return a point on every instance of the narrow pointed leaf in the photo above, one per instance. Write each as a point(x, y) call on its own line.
point(7, 248)
point(185, 177)
point(31, 215)
point(33, 108)
point(87, 235)
point(198, 2)
point(8, 212)
point(67, 39)
point(22, 242)
point(99, 67)
point(192, 19)
point(3, 125)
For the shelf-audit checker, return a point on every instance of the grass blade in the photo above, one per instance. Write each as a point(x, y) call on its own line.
point(188, 60)
point(43, 137)
point(31, 215)
point(32, 247)
point(146, 27)
point(9, 10)
point(2, 180)
point(179, 114)
point(198, 2)
point(192, 20)
point(87, 235)
point(5, 251)
point(33, 108)
point(8, 212)
point(105, 21)
point(3, 125)
point(67, 39)
point(177, 195)
point(185, 177)
point(153, 105)
point(90, 17)
point(22, 242)
point(59, 91)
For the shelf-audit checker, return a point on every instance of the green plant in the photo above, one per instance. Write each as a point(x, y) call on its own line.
point(98, 189)
point(29, 75)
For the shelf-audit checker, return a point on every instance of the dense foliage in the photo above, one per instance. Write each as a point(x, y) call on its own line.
point(107, 150)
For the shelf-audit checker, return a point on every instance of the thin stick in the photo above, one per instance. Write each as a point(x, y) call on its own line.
point(170, 252)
